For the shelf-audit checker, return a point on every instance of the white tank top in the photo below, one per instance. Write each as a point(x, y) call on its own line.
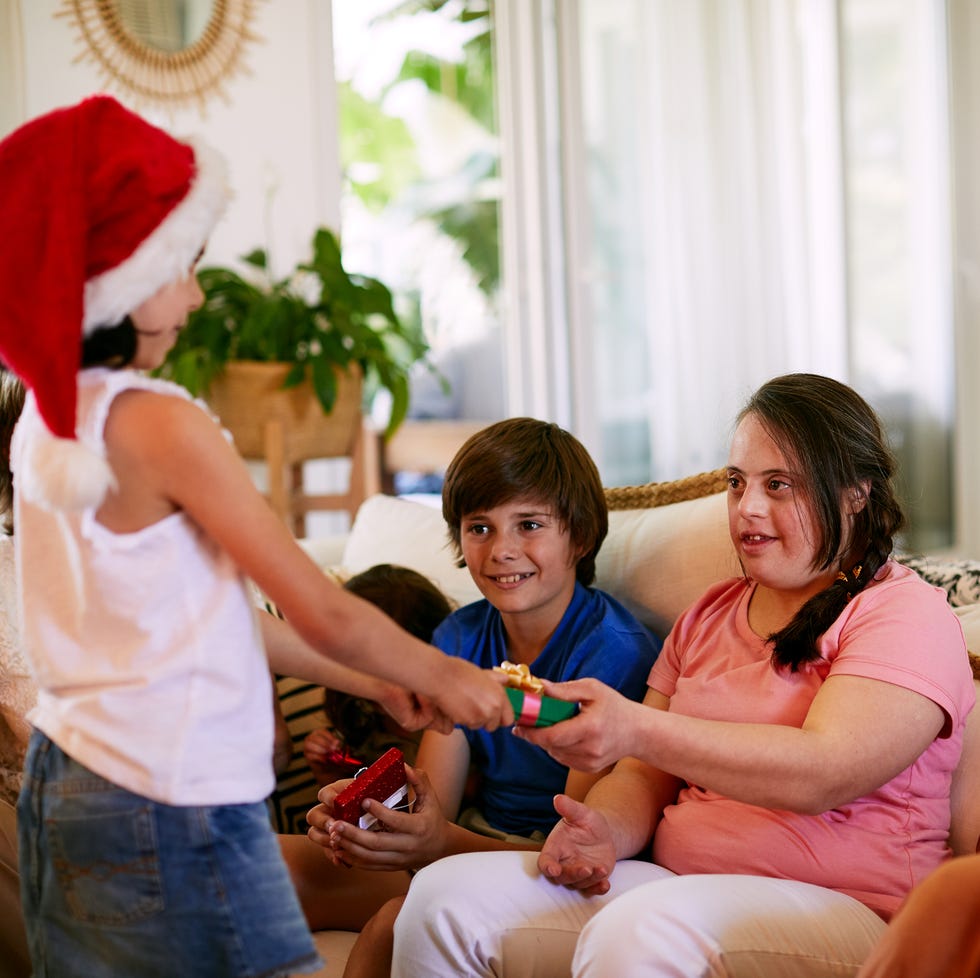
point(145, 645)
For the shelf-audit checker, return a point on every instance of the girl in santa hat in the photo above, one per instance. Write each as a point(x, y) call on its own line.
point(145, 843)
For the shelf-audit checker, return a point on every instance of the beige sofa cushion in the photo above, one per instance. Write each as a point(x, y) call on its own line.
point(412, 534)
point(658, 561)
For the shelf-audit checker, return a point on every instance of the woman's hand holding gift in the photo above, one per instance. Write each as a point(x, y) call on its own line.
point(598, 736)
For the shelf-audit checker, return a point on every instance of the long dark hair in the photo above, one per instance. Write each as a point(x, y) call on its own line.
point(836, 440)
point(110, 346)
point(527, 458)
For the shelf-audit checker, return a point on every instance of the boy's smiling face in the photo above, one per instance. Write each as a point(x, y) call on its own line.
point(523, 562)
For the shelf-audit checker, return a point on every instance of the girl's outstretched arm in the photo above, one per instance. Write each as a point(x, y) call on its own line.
point(168, 455)
point(289, 655)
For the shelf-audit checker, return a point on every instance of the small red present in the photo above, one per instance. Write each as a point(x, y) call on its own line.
point(384, 781)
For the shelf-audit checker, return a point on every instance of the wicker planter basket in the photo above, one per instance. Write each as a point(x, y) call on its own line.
point(285, 428)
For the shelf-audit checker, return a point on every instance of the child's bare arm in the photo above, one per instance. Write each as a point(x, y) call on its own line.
point(934, 934)
point(289, 655)
point(445, 758)
point(282, 745)
point(188, 463)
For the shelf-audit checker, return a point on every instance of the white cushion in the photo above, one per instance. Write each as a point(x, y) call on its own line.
point(658, 561)
point(387, 530)
point(327, 551)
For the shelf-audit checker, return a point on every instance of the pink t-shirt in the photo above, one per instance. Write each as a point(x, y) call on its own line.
point(898, 630)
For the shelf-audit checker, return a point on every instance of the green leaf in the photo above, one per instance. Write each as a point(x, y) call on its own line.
point(325, 384)
point(399, 404)
point(295, 376)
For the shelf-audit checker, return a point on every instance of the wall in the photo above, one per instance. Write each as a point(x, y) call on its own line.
point(277, 128)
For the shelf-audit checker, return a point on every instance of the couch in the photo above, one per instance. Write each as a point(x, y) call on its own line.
point(667, 543)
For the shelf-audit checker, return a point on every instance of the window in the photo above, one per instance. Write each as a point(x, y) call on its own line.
point(421, 184)
point(748, 188)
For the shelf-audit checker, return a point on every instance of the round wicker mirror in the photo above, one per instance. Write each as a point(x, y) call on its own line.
point(176, 52)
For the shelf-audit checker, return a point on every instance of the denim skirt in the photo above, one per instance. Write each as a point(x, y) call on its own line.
point(114, 884)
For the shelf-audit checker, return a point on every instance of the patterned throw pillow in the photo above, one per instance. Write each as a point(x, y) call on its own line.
point(301, 704)
point(960, 579)
point(296, 788)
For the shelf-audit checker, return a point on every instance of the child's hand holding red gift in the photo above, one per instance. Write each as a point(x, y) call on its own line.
point(319, 746)
point(409, 840)
point(319, 817)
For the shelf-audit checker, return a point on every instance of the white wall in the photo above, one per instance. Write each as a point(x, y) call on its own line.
point(278, 128)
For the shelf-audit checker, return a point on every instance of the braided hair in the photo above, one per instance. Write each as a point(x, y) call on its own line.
point(838, 444)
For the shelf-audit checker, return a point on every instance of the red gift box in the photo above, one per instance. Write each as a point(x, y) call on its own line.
point(384, 781)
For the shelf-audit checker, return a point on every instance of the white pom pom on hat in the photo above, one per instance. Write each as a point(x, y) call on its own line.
point(64, 474)
point(100, 209)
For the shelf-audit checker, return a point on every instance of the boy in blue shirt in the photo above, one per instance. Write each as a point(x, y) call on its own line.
point(526, 514)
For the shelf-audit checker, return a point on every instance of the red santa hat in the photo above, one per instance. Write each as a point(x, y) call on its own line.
point(98, 210)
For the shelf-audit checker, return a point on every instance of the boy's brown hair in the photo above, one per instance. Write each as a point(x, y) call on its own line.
point(523, 458)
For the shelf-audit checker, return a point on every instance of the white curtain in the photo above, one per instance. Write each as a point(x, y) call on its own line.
point(728, 215)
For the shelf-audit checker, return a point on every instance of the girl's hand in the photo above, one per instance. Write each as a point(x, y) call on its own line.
point(597, 737)
point(470, 696)
point(409, 711)
point(409, 840)
point(578, 852)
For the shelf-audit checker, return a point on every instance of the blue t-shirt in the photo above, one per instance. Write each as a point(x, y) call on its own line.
point(596, 637)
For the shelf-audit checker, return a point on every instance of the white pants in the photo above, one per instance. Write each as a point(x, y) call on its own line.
point(492, 914)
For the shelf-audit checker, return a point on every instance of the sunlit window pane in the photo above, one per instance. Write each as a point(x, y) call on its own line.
point(421, 187)
point(897, 167)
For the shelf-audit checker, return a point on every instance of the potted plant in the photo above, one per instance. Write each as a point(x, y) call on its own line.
point(284, 363)
point(319, 325)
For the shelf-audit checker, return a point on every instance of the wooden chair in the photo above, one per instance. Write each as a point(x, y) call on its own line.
point(287, 428)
